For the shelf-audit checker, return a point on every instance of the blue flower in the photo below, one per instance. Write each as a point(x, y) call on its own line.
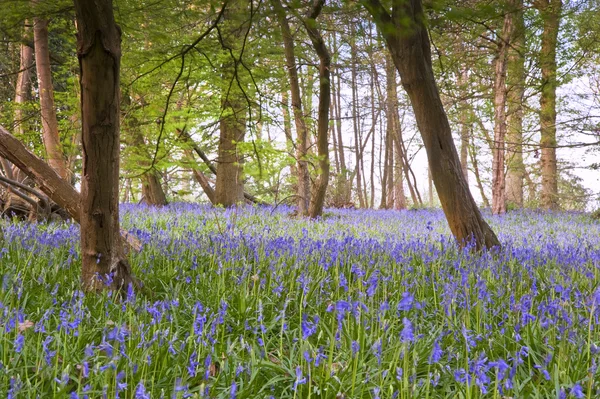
point(436, 353)
point(407, 334)
point(19, 343)
point(140, 391)
point(577, 391)
point(299, 378)
point(407, 302)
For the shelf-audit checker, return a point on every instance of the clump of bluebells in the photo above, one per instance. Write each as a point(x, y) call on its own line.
point(251, 303)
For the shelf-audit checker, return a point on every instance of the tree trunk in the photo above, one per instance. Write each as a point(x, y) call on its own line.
point(50, 135)
point(229, 189)
point(187, 139)
point(383, 204)
point(346, 182)
point(152, 190)
point(410, 49)
point(514, 134)
point(303, 187)
point(23, 86)
point(355, 122)
point(550, 11)
point(373, 81)
point(99, 53)
point(201, 178)
point(390, 174)
point(319, 190)
point(399, 196)
point(498, 177)
point(473, 155)
point(464, 125)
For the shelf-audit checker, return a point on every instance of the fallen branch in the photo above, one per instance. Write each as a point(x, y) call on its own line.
point(49, 182)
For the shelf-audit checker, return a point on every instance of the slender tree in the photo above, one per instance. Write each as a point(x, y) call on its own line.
point(498, 174)
point(515, 168)
point(319, 189)
point(550, 11)
point(50, 134)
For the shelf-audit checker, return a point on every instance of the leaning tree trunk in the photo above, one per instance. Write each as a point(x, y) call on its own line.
point(550, 11)
point(410, 49)
point(99, 53)
point(317, 200)
point(498, 176)
point(515, 168)
point(50, 135)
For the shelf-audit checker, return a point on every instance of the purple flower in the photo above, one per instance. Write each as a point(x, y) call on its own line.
point(436, 353)
point(309, 328)
point(407, 334)
point(406, 303)
point(140, 391)
point(193, 364)
point(355, 348)
point(121, 385)
point(576, 391)
point(233, 391)
point(19, 343)
point(299, 378)
point(48, 354)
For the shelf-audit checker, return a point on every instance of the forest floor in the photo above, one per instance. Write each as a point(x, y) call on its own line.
point(253, 303)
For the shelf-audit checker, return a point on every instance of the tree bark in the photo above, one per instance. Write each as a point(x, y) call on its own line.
point(498, 176)
point(515, 168)
point(303, 187)
point(410, 49)
point(201, 178)
point(187, 139)
point(152, 190)
point(23, 86)
point(229, 189)
point(346, 182)
point(319, 188)
point(50, 135)
point(99, 54)
point(550, 11)
point(399, 195)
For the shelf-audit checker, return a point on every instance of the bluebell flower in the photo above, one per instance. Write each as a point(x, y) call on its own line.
point(140, 391)
point(407, 334)
point(309, 328)
point(355, 348)
point(407, 301)
point(299, 378)
point(577, 391)
point(19, 343)
point(436, 353)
